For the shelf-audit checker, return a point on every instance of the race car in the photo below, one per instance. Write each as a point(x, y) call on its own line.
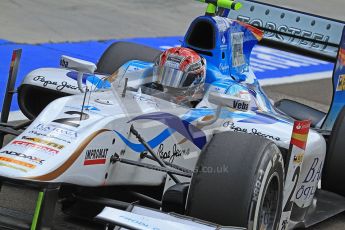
point(185, 138)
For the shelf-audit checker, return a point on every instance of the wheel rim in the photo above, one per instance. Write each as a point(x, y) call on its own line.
point(269, 207)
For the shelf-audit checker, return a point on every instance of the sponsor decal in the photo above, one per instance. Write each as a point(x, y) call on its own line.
point(309, 183)
point(58, 85)
point(297, 159)
point(315, 41)
point(224, 67)
point(56, 131)
point(240, 105)
point(25, 156)
point(253, 131)
point(171, 154)
point(13, 167)
point(257, 185)
point(41, 141)
point(300, 134)
point(17, 162)
point(314, 172)
point(95, 156)
point(237, 49)
point(35, 146)
point(48, 135)
point(341, 83)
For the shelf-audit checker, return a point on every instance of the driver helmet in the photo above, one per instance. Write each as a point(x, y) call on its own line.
point(181, 73)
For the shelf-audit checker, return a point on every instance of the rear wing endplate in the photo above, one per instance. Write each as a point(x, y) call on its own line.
point(303, 33)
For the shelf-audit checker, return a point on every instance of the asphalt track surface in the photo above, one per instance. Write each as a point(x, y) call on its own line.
point(38, 21)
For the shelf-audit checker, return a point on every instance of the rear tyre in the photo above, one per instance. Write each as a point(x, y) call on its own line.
point(121, 52)
point(334, 170)
point(238, 182)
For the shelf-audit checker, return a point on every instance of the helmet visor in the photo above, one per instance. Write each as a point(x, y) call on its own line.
point(172, 77)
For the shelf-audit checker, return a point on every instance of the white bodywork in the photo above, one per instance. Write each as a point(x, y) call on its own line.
point(63, 146)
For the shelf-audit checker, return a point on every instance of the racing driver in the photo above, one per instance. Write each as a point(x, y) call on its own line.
point(180, 73)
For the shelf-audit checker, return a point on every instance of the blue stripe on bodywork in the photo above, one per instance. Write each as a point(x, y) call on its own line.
point(93, 79)
point(183, 127)
point(153, 143)
point(256, 117)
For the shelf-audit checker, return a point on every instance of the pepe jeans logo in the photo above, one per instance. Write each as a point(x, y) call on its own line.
point(253, 131)
point(171, 154)
point(95, 156)
point(58, 85)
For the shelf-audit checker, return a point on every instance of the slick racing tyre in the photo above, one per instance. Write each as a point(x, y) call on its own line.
point(120, 53)
point(238, 181)
point(334, 172)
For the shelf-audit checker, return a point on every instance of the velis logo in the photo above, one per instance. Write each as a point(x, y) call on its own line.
point(240, 105)
point(95, 156)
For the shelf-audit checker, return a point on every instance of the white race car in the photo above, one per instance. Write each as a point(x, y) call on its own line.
point(232, 159)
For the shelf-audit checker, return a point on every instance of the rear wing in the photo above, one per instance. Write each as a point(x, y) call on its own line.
point(293, 30)
point(303, 33)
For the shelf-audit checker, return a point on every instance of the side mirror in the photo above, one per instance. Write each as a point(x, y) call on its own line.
point(77, 64)
point(236, 103)
point(223, 100)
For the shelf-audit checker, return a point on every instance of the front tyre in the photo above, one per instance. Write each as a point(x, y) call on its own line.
point(238, 182)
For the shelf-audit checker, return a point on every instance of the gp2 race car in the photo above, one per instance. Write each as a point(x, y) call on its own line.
point(106, 148)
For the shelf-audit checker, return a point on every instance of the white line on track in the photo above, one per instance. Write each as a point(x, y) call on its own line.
point(296, 78)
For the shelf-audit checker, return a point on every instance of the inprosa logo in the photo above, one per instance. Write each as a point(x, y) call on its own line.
point(95, 156)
